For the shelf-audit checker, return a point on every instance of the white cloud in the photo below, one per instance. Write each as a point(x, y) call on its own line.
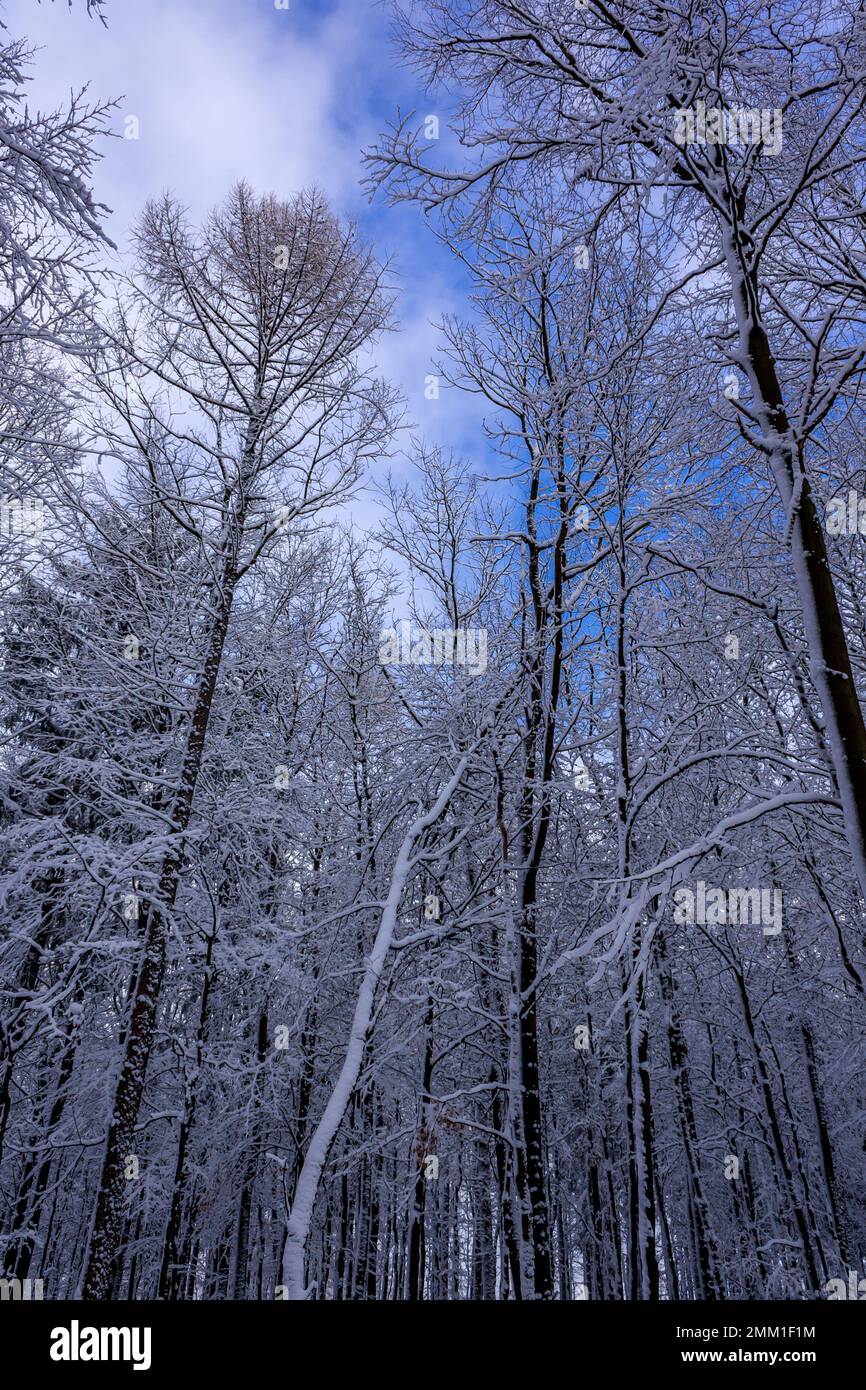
point(229, 89)
point(221, 91)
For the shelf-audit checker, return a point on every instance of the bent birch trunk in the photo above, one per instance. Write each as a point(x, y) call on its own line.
point(301, 1214)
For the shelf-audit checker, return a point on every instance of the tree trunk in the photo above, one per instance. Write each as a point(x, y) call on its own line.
point(300, 1218)
point(829, 658)
point(127, 1099)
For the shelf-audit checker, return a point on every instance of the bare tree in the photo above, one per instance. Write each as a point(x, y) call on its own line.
point(253, 327)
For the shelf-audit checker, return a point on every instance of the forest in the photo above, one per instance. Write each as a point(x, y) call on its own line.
point(458, 897)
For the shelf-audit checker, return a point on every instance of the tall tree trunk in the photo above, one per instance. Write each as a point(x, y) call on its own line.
point(35, 1179)
point(301, 1214)
point(829, 657)
point(250, 1165)
point(801, 1220)
point(709, 1275)
point(415, 1254)
point(835, 1195)
point(130, 1087)
point(170, 1272)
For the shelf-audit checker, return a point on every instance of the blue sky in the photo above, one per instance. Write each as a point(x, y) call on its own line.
point(228, 89)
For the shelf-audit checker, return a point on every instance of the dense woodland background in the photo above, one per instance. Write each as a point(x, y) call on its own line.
point(332, 978)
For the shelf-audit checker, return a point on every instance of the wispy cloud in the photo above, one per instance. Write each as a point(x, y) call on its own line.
point(229, 89)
